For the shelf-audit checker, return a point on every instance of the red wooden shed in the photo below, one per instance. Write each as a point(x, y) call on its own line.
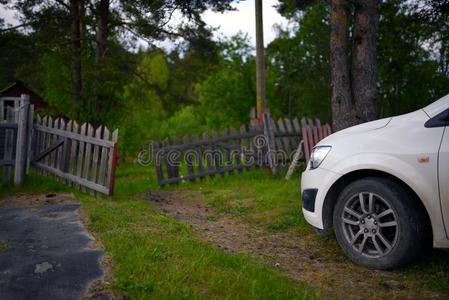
point(18, 88)
point(10, 95)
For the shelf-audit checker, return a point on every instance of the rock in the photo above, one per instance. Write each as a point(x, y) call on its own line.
point(393, 285)
point(43, 267)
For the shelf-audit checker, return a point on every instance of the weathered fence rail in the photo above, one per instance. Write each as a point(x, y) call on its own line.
point(79, 155)
point(82, 156)
point(232, 151)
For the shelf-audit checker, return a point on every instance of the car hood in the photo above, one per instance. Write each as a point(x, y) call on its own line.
point(401, 120)
point(373, 125)
point(438, 106)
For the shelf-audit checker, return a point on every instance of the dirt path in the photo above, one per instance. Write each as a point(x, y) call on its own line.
point(301, 258)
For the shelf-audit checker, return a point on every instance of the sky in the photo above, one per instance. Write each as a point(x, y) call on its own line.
point(243, 19)
point(228, 23)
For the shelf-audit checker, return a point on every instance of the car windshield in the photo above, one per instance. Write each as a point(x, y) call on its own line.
point(437, 106)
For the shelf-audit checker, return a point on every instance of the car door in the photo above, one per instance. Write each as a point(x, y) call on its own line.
point(443, 175)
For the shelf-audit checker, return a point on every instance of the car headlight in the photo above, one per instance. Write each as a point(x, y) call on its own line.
point(318, 155)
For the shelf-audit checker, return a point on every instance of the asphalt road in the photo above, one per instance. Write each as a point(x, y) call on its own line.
point(47, 253)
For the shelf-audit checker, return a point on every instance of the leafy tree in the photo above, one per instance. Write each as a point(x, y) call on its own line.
point(298, 66)
point(435, 15)
point(228, 94)
point(93, 45)
point(142, 102)
point(16, 51)
point(409, 75)
point(411, 70)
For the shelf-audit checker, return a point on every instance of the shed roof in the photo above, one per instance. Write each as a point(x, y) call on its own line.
point(18, 88)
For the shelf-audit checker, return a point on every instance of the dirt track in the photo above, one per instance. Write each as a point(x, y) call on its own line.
point(302, 258)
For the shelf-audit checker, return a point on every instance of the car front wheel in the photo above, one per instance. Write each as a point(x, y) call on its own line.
point(378, 223)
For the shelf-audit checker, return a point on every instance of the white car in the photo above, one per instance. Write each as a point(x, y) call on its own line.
point(383, 186)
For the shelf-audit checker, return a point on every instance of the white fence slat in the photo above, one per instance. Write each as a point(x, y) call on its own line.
point(22, 139)
point(111, 162)
point(104, 158)
point(95, 158)
point(87, 155)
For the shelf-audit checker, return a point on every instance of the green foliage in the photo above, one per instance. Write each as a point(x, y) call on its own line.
point(56, 91)
point(409, 77)
point(3, 246)
point(299, 66)
point(227, 95)
point(224, 93)
point(187, 120)
point(204, 84)
point(156, 257)
point(411, 74)
point(143, 108)
point(16, 51)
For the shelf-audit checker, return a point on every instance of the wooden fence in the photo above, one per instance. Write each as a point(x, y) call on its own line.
point(231, 150)
point(79, 155)
point(82, 156)
point(15, 141)
point(312, 134)
point(8, 138)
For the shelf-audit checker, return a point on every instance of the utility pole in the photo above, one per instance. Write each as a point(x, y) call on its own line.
point(260, 64)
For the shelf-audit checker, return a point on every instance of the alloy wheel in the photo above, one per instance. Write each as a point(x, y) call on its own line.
point(370, 224)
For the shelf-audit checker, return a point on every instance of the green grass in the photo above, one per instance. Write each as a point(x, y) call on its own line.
point(430, 271)
point(156, 257)
point(3, 246)
point(256, 196)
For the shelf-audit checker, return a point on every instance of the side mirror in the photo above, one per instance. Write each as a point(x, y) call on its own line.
point(440, 120)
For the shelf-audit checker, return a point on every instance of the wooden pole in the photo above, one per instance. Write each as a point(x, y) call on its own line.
point(29, 138)
point(260, 64)
point(8, 147)
point(270, 143)
point(22, 140)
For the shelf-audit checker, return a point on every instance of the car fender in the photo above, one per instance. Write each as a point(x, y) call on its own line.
point(419, 179)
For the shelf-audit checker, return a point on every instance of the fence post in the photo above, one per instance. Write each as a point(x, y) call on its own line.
point(22, 139)
point(9, 147)
point(271, 151)
point(30, 138)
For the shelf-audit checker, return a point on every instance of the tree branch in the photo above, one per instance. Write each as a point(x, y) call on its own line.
point(61, 2)
point(16, 27)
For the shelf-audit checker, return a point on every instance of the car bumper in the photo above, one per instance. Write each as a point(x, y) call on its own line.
point(314, 187)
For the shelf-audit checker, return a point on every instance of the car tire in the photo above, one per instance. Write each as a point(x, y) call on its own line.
point(379, 224)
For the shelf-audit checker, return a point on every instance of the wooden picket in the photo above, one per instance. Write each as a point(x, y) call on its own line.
point(78, 155)
point(231, 151)
point(8, 135)
point(209, 155)
point(312, 135)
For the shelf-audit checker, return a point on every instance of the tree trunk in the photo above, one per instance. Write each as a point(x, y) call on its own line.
point(260, 61)
point(364, 60)
point(75, 37)
point(82, 9)
point(341, 103)
point(102, 30)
